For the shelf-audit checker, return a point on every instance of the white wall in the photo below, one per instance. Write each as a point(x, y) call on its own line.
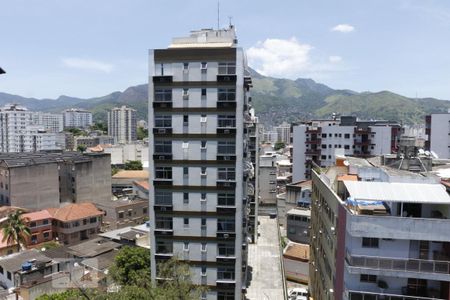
point(298, 153)
point(439, 140)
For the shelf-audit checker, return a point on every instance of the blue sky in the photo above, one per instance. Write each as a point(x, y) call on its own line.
point(91, 48)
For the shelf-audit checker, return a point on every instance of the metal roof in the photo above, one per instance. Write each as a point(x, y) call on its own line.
point(398, 192)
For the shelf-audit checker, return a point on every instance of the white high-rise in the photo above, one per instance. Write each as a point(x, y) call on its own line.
point(122, 124)
point(200, 159)
point(77, 118)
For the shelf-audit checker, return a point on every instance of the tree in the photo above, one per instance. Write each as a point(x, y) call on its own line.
point(279, 145)
point(133, 165)
point(15, 229)
point(141, 133)
point(100, 126)
point(81, 148)
point(131, 267)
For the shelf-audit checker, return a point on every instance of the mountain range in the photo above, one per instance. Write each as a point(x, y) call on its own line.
point(274, 99)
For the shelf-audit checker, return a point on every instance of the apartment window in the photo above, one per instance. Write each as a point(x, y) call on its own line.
point(329, 156)
point(163, 172)
point(347, 135)
point(203, 65)
point(324, 146)
point(226, 199)
point(225, 249)
point(46, 235)
point(226, 173)
point(340, 135)
point(45, 222)
point(121, 215)
point(93, 220)
point(225, 273)
point(227, 68)
point(164, 247)
point(203, 196)
point(225, 296)
point(186, 222)
point(33, 224)
point(330, 146)
point(163, 147)
point(323, 157)
point(186, 246)
point(185, 120)
point(163, 95)
point(226, 94)
point(203, 247)
point(185, 171)
point(330, 135)
point(185, 66)
point(185, 94)
point(203, 171)
point(203, 223)
point(185, 145)
point(368, 278)
point(324, 135)
point(163, 121)
point(203, 271)
point(203, 92)
point(335, 135)
point(203, 145)
point(186, 198)
point(225, 225)
point(163, 223)
point(164, 198)
point(1, 269)
point(370, 242)
point(226, 147)
point(76, 224)
point(84, 221)
point(226, 121)
point(34, 239)
point(347, 147)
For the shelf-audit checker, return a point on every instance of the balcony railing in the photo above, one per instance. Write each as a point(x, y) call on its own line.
point(358, 295)
point(314, 130)
point(397, 264)
point(312, 151)
point(367, 142)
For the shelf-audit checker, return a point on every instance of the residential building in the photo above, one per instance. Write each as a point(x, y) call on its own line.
point(40, 225)
point(140, 189)
point(199, 161)
point(123, 212)
point(318, 141)
point(267, 180)
point(122, 124)
point(21, 132)
point(41, 180)
point(253, 190)
point(297, 225)
point(378, 233)
point(7, 248)
point(297, 195)
point(296, 262)
point(283, 133)
point(50, 121)
point(130, 235)
point(73, 223)
point(123, 181)
point(437, 128)
point(120, 154)
point(92, 141)
point(270, 136)
point(77, 118)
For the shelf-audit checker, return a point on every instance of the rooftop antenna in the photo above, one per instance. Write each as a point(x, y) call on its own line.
point(229, 20)
point(218, 14)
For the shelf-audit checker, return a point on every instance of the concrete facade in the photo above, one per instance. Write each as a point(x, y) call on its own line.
point(437, 128)
point(122, 124)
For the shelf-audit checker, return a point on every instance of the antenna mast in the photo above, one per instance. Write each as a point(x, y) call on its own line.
point(218, 14)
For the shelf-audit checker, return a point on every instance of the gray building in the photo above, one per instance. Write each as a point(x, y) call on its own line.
point(267, 180)
point(298, 222)
point(124, 212)
point(199, 162)
point(42, 180)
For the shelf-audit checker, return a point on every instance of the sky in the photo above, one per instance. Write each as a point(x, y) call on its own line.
point(92, 48)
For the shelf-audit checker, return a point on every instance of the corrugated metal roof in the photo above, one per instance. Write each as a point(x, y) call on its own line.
point(398, 192)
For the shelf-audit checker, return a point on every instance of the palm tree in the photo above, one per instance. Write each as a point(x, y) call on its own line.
point(15, 229)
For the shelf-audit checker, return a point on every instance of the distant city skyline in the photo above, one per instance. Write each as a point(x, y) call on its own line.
point(85, 49)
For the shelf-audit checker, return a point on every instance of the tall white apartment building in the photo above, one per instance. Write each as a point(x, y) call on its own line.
point(51, 122)
point(437, 128)
point(20, 132)
point(122, 124)
point(318, 141)
point(378, 233)
point(77, 118)
point(200, 159)
point(283, 133)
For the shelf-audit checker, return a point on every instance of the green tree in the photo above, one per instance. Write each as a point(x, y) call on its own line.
point(76, 131)
point(133, 165)
point(81, 148)
point(114, 170)
point(141, 133)
point(100, 126)
point(15, 229)
point(131, 267)
point(279, 145)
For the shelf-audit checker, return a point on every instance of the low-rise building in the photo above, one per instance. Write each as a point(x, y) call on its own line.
point(122, 181)
point(140, 189)
point(73, 223)
point(40, 224)
point(296, 262)
point(297, 195)
point(127, 211)
point(298, 222)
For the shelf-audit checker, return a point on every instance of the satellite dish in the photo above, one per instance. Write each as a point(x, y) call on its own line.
point(346, 163)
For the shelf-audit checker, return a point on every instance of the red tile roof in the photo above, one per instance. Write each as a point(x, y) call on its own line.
point(37, 215)
point(5, 244)
point(143, 184)
point(72, 212)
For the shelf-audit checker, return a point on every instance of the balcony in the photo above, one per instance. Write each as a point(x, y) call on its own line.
point(228, 105)
point(162, 131)
point(363, 130)
point(359, 295)
point(164, 250)
point(162, 79)
point(162, 156)
point(226, 78)
point(317, 130)
point(226, 130)
point(226, 184)
point(314, 141)
point(163, 104)
point(366, 142)
point(225, 210)
point(312, 152)
point(162, 182)
point(226, 157)
point(439, 268)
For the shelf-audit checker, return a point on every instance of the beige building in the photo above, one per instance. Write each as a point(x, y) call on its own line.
point(124, 212)
point(122, 181)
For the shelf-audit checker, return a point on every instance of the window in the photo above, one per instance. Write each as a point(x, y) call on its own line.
point(185, 171)
point(370, 242)
point(186, 246)
point(323, 157)
point(203, 92)
point(84, 221)
point(203, 65)
point(185, 120)
point(225, 296)
point(164, 198)
point(203, 222)
point(33, 224)
point(186, 222)
point(121, 215)
point(203, 271)
point(226, 121)
point(185, 145)
point(92, 220)
point(340, 134)
point(8, 275)
point(227, 68)
point(46, 235)
point(368, 278)
point(1, 269)
point(335, 135)
point(226, 94)
point(203, 171)
point(225, 273)
point(144, 210)
point(186, 198)
point(346, 147)
point(226, 199)
point(226, 147)
point(203, 247)
point(163, 172)
point(225, 225)
point(347, 135)
point(163, 121)
point(226, 173)
point(185, 94)
point(163, 95)
point(330, 135)
point(34, 239)
point(185, 66)
point(76, 224)
point(163, 223)
point(203, 145)
point(203, 197)
point(163, 147)
point(324, 146)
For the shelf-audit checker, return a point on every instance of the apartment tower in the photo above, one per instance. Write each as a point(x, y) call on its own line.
point(200, 159)
point(122, 124)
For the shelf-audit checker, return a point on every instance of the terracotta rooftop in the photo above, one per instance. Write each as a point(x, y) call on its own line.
point(303, 183)
point(130, 174)
point(142, 184)
point(5, 244)
point(72, 212)
point(347, 178)
point(297, 251)
point(37, 215)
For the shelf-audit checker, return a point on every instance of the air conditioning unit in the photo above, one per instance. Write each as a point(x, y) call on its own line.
point(161, 157)
point(226, 131)
point(226, 235)
point(161, 130)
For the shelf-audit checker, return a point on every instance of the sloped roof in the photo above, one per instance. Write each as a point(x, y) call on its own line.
point(37, 215)
point(131, 174)
point(76, 211)
point(297, 251)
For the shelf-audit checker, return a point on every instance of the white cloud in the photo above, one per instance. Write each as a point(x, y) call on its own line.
point(87, 64)
point(344, 28)
point(334, 59)
point(280, 58)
